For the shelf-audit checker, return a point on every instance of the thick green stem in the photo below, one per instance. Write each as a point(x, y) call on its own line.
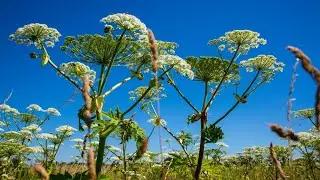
point(102, 144)
point(204, 119)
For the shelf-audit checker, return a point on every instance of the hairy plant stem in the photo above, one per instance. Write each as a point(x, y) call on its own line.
point(111, 63)
point(244, 95)
point(172, 83)
point(99, 162)
point(124, 156)
point(204, 119)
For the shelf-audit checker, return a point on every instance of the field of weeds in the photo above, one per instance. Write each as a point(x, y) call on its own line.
point(109, 140)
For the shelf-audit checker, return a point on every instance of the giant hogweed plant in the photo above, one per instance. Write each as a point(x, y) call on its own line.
point(124, 44)
point(22, 139)
point(217, 73)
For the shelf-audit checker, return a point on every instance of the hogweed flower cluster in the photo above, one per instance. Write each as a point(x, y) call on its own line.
point(9, 110)
point(181, 66)
point(305, 113)
point(126, 22)
point(66, 130)
point(78, 70)
point(239, 40)
point(36, 33)
point(34, 107)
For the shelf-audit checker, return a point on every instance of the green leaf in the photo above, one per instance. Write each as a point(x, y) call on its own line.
point(213, 134)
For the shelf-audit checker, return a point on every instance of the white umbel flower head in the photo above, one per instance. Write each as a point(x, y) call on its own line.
point(243, 40)
point(45, 136)
point(181, 66)
point(34, 107)
point(53, 111)
point(65, 129)
point(33, 128)
point(36, 149)
point(126, 22)
point(78, 70)
point(157, 121)
point(77, 140)
point(114, 149)
point(221, 144)
point(7, 109)
point(35, 33)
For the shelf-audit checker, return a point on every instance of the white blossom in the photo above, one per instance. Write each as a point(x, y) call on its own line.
point(157, 121)
point(33, 128)
point(114, 149)
point(77, 140)
point(35, 33)
point(126, 22)
point(178, 64)
point(53, 111)
point(36, 149)
point(45, 136)
point(78, 70)
point(222, 144)
point(34, 107)
point(65, 129)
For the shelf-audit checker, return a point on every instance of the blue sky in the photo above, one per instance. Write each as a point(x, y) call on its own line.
point(189, 23)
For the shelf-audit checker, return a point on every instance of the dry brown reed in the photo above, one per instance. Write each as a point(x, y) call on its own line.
point(41, 171)
point(314, 73)
point(284, 133)
point(276, 162)
point(142, 148)
point(91, 165)
point(87, 99)
point(154, 51)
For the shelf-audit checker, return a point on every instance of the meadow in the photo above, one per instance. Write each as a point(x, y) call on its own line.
point(125, 43)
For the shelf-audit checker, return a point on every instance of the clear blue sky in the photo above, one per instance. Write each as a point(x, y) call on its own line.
point(189, 23)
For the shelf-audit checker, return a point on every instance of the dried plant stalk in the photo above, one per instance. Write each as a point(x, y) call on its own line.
point(276, 162)
point(41, 171)
point(142, 149)
point(87, 99)
point(284, 133)
point(154, 50)
point(91, 165)
point(315, 74)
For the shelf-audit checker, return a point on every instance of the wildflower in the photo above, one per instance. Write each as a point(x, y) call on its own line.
point(33, 128)
point(65, 129)
point(305, 113)
point(157, 121)
point(78, 70)
point(222, 47)
point(34, 107)
point(36, 149)
point(53, 111)
point(77, 140)
point(77, 146)
point(114, 149)
point(239, 40)
point(221, 144)
point(126, 22)
point(25, 133)
point(181, 66)
point(7, 109)
point(2, 123)
point(266, 64)
point(35, 33)
point(11, 135)
point(45, 136)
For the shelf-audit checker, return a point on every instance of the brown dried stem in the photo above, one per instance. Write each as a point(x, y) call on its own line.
point(277, 162)
point(91, 165)
point(314, 73)
point(41, 171)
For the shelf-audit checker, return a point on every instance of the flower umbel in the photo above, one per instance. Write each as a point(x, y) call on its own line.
point(36, 33)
